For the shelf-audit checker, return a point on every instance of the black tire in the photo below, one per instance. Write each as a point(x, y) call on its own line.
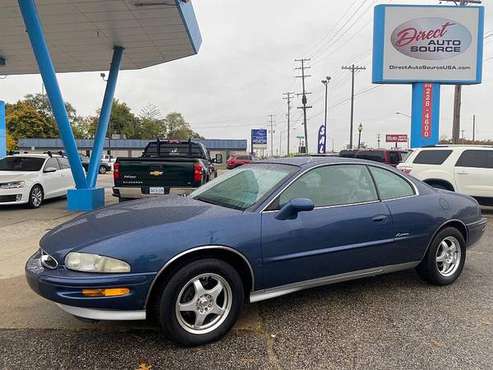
point(175, 324)
point(102, 170)
point(430, 269)
point(36, 197)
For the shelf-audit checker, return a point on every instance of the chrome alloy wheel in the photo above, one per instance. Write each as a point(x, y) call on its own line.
point(36, 196)
point(448, 256)
point(203, 303)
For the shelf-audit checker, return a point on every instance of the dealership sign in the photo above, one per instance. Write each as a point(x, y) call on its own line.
point(396, 138)
point(414, 43)
point(259, 138)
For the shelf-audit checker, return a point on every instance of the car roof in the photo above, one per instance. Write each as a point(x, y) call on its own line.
point(456, 146)
point(308, 161)
point(35, 155)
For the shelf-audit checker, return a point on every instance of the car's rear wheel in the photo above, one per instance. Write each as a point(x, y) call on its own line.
point(201, 302)
point(444, 261)
point(102, 170)
point(36, 196)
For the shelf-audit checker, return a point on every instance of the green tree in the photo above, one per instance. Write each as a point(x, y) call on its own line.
point(178, 129)
point(25, 121)
point(122, 120)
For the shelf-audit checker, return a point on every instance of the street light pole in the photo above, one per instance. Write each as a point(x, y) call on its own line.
point(326, 84)
point(360, 128)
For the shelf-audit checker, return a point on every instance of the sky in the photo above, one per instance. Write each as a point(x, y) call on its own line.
point(247, 60)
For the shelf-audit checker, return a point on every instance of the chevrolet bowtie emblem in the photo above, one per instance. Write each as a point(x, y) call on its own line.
point(156, 173)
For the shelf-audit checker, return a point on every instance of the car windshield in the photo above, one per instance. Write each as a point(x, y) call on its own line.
point(21, 164)
point(243, 187)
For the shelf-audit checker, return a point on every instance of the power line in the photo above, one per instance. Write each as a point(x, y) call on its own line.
point(353, 69)
point(319, 43)
point(335, 35)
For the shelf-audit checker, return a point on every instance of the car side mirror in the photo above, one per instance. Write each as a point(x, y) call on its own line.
point(49, 170)
point(218, 159)
point(290, 209)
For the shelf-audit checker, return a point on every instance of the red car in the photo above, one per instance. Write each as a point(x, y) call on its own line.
point(238, 160)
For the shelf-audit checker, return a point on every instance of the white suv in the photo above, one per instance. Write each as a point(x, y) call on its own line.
point(464, 169)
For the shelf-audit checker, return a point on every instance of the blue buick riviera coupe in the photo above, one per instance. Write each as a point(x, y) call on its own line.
point(254, 233)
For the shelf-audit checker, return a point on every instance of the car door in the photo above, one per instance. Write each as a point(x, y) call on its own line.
point(52, 181)
point(66, 174)
point(348, 230)
point(412, 221)
point(474, 172)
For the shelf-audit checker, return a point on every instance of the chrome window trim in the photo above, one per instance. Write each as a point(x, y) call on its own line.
point(278, 291)
point(336, 205)
point(263, 210)
point(188, 251)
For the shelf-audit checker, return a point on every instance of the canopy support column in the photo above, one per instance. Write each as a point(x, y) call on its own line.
point(34, 29)
point(104, 118)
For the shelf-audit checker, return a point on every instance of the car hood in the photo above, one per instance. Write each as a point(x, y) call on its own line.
point(126, 218)
point(8, 176)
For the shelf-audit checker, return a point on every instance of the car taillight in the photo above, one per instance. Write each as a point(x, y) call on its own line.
point(197, 172)
point(116, 171)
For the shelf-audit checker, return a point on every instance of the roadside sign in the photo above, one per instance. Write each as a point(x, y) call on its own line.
point(259, 136)
point(321, 140)
point(428, 43)
point(396, 138)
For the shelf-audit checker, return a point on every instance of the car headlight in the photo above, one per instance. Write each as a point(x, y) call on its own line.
point(86, 262)
point(12, 185)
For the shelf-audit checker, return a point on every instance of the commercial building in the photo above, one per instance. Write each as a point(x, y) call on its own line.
point(129, 147)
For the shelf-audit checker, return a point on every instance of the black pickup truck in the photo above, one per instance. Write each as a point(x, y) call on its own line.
point(166, 166)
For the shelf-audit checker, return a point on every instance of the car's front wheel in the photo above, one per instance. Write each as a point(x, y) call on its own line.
point(201, 302)
point(36, 196)
point(444, 261)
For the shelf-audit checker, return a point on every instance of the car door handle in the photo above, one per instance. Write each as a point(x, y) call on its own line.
point(462, 173)
point(380, 218)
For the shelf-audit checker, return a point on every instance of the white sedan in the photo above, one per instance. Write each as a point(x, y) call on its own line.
point(32, 178)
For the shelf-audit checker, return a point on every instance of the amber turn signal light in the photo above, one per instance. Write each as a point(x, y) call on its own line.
point(108, 292)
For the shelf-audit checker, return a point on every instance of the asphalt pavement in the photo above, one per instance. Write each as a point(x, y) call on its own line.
point(394, 321)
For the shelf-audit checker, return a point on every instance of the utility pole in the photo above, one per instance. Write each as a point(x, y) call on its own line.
point(473, 128)
point(304, 100)
point(271, 135)
point(353, 70)
point(288, 95)
point(280, 143)
point(458, 88)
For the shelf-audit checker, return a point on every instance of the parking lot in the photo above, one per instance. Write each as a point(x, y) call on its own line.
point(392, 321)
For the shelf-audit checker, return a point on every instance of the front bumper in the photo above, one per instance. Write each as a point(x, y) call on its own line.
point(14, 196)
point(65, 288)
point(475, 231)
point(137, 193)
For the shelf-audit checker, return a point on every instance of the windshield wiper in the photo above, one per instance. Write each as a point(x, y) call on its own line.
point(217, 203)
